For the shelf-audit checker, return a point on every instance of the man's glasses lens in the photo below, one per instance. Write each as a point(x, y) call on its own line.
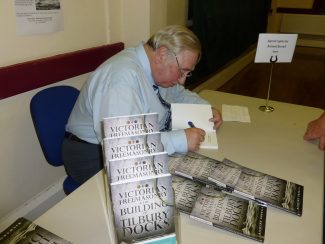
point(183, 73)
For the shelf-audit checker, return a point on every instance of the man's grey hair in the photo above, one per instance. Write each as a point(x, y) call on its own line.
point(175, 38)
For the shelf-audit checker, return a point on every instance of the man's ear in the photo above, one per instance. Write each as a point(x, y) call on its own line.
point(161, 54)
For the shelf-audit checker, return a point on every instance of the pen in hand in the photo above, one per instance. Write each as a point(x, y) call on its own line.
point(190, 123)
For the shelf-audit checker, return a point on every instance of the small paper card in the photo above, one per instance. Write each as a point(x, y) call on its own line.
point(235, 113)
point(277, 48)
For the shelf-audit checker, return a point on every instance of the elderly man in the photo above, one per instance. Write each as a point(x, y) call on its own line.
point(138, 80)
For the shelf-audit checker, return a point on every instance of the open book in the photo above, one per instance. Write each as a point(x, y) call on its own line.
point(198, 115)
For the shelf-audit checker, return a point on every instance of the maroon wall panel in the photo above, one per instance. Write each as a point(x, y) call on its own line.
point(22, 77)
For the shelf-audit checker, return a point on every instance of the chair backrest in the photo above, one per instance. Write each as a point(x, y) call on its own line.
point(50, 109)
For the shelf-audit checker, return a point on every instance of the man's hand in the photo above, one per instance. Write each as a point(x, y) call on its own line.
point(194, 138)
point(217, 118)
point(316, 130)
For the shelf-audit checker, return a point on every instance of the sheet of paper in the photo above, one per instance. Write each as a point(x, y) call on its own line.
point(199, 115)
point(235, 113)
point(38, 17)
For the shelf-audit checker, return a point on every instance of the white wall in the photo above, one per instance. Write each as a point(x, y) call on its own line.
point(134, 21)
point(87, 23)
point(80, 18)
point(24, 171)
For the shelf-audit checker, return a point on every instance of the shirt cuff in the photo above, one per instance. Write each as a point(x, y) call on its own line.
point(174, 141)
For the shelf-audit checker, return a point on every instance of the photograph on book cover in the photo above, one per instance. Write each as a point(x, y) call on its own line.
point(226, 174)
point(268, 189)
point(143, 209)
point(192, 166)
point(186, 192)
point(195, 167)
point(213, 207)
point(234, 214)
point(239, 180)
point(130, 125)
point(276, 192)
point(24, 231)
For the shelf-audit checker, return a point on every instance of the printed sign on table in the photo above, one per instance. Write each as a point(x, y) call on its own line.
point(278, 48)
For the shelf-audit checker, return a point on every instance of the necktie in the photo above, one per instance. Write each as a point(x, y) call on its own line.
point(166, 105)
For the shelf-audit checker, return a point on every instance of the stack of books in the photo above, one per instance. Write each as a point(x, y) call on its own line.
point(139, 185)
point(146, 187)
point(230, 196)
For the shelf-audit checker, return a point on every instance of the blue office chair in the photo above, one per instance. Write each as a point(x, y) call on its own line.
point(50, 109)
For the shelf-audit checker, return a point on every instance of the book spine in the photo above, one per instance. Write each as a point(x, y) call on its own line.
point(225, 228)
point(239, 233)
point(243, 194)
point(217, 182)
point(300, 200)
point(201, 220)
point(184, 175)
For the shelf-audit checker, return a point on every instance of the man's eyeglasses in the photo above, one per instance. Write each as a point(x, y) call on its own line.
point(184, 73)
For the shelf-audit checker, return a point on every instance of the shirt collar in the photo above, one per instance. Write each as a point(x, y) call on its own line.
point(144, 61)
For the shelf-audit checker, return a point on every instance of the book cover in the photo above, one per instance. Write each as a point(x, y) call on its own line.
point(143, 208)
point(226, 174)
point(194, 166)
point(271, 190)
point(173, 161)
point(240, 216)
point(137, 167)
point(24, 231)
point(172, 164)
point(186, 192)
point(241, 181)
point(130, 125)
point(121, 147)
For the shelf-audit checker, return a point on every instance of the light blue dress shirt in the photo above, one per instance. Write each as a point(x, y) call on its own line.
point(123, 85)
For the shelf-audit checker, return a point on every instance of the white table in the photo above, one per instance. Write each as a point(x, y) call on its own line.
point(271, 143)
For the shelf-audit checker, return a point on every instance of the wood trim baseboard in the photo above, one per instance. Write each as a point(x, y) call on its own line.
point(300, 11)
point(227, 72)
